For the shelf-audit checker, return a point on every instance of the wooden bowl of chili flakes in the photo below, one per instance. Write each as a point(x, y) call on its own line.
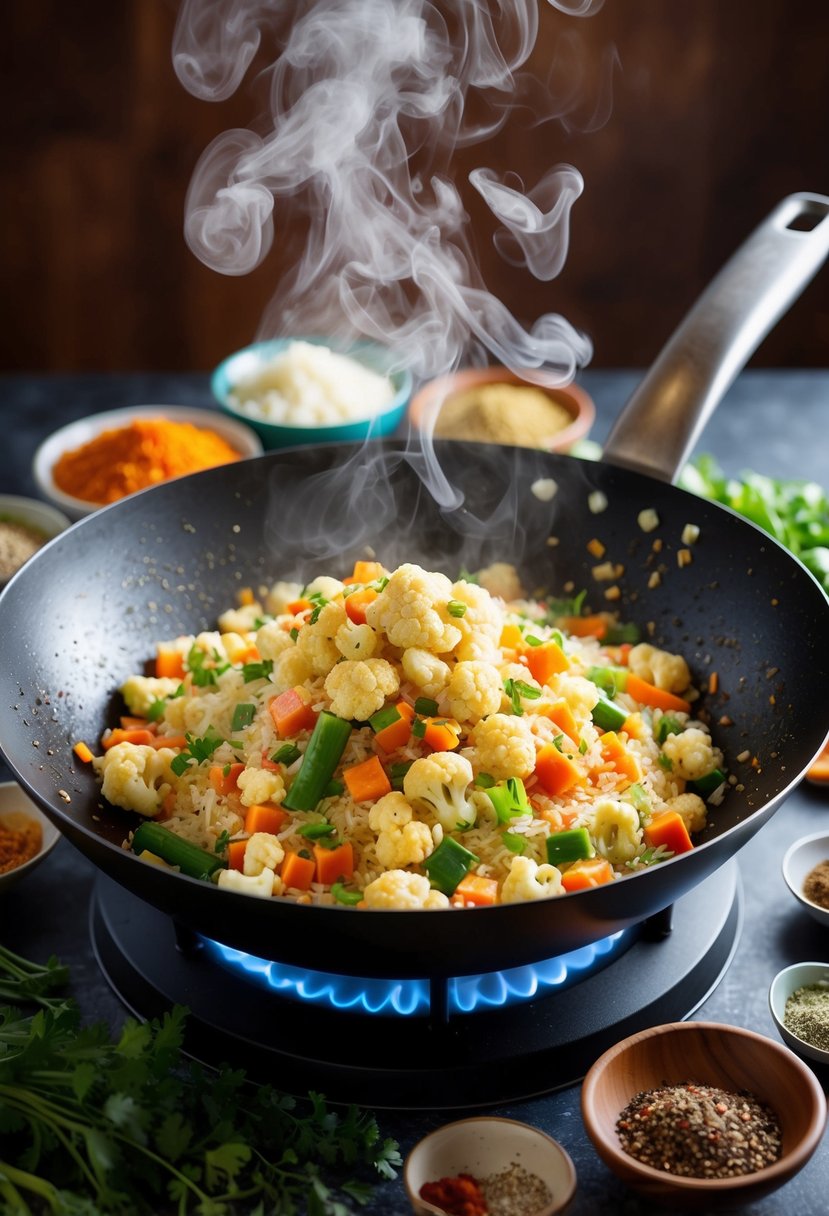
point(26, 835)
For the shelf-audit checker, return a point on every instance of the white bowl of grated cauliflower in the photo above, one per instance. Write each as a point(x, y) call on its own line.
point(301, 390)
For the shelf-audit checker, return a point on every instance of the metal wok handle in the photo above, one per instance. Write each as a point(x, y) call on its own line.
point(662, 420)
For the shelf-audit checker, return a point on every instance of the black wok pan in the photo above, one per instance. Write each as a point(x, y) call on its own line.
point(87, 610)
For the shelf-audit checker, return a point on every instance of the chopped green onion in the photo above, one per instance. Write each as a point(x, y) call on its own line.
point(156, 710)
point(189, 858)
point(222, 841)
point(397, 773)
point(466, 576)
point(509, 800)
point(456, 608)
point(334, 789)
point(418, 728)
point(315, 831)
point(426, 707)
point(617, 634)
point(384, 717)
point(343, 896)
point(665, 762)
point(582, 746)
point(636, 794)
point(574, 844)
point(571, 607)
point(287, 754)
point(257, 671)
point(514, 842)
point(243, 715)
point(609, 679)
point(607, 716)
point(516, 689)
point(448, 864)
point(532, 640)
point(705, 785)
point(485, 781)
point(294, 634)
point(668, 725)
point(322, 755)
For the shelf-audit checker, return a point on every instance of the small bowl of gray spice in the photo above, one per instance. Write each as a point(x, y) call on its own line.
point(799, 1004)
point(806, 873)
point(25, 526)
point(702, 1115)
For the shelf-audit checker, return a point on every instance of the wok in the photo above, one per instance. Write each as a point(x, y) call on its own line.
point(87, 610)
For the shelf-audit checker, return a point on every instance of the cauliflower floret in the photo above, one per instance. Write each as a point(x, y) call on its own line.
point(139, 692)
point(281, 595)
point(581, 695)
point(690, 752)
point(481, 623)
point(426, 671)
point(359, 687)
point(262, 852)
point(242, 619)
point(527, 880)
point(136, 777)
point(290, 668)
point(439, 783)
point(475, 691)
point(412, 610)
point(501, 580)
point(616, 830)
point(262, 885)
point(260, 785)
point(316, 642)
point(329, 588)
point(402, 889)
point(272, 640)
point(668, 671)
point(402, 841)
point(693, 810)
point(356, 641)
point(504, 746)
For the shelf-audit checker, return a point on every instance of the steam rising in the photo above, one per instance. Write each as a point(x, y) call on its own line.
point(368, 99)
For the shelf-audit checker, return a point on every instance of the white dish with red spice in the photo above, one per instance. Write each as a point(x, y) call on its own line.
point(75, 434)
point(503, 1156)
point(17, 812)
point(808, 858)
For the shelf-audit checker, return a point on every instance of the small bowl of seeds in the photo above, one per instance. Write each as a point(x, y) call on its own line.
point(806, 874)
point(702, 1115)
point(489, 1165)
point(25, 526)
point(799, 1004)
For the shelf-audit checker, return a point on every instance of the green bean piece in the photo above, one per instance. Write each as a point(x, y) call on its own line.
point(322, 755)
point(190, 859)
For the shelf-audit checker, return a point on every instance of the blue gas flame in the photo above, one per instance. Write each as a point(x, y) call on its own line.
point(410, 997)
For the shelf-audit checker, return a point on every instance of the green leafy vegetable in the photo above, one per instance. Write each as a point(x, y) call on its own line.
point(243, 715)
point(197, 750)
point(92, 1123)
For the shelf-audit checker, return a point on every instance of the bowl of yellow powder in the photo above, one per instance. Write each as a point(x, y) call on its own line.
point(498, 405)
point(27, 837)
point(101, 459)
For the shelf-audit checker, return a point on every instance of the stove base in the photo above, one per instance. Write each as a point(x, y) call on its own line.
point(471, 1060)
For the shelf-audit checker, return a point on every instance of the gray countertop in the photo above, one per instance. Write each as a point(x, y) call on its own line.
point(773, 422)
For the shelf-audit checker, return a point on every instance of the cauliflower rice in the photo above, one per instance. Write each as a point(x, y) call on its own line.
point(492, 748)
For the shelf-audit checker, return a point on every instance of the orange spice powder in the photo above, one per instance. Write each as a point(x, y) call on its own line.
point(129, 458)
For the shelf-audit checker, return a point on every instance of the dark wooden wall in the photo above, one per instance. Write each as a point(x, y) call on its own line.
point(721, 107)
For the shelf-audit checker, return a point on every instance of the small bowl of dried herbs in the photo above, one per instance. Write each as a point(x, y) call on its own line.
point(702, 1115)
point(799, 1004)
point(806, 873)
point(25, 526)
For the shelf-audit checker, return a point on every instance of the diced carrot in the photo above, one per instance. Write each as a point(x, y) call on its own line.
point(561, 713)
point(584, 626)
point(713, 682)
point(367, 572)
point(357, 602)
point(82, 752)
point(334, 864)
point(246, 597)
point(511, 637)
point(614, 752)
point(262, 817)
point(668, 828)
point(585, 874)
point(298, 872)
point(477, 890)
point(177, 742)
point(657, 698)
point(556, 772)
point(169, 663)
point(367, 781)
point(546, 660)
point(168, 806)
point(442, 734)
point(398, 734)
point(224, 782)
point(130, 723)
point(291, 713)
point(236, 854)
point(118, 735)
point(819, 771)
point(297, 606)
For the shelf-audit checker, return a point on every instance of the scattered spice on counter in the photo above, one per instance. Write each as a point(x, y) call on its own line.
point(816, 884)
point(20, 840)
point(515, 1192)
point(459, 1196)
point(700, 1131)
point(806, 1014)
point(521, 415)
point(17, 544)
point(147, 451)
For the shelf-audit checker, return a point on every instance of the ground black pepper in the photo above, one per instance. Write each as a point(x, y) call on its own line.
point(700, 1131)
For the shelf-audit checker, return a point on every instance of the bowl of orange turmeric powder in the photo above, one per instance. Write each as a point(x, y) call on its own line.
point(98, 460)
point(26, 835)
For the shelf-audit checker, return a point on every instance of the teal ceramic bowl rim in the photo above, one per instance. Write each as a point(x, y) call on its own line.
point(275, 434)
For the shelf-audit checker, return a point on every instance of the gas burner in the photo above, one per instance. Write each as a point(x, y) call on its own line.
point(431, 1052)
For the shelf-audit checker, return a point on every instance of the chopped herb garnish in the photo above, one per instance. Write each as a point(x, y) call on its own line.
point(397, 773)
point(564, 607)
point(456, 608)
point(485, 781)
point(582, 746)
point(243, 715)
point(665, 762)
point(618, 634)
point(650, 857)
point(466, 576)
point(668, 725)
point(197, 750)
point(344, 896)
point(532, 640)
point(257, 671)
point(294, 634)
point(426, 706)
point(384, 717)
point(222, 841)
point(516, 689)
point(156, 710)
point(418, 728)
point(315, 831)
point(287, 754)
